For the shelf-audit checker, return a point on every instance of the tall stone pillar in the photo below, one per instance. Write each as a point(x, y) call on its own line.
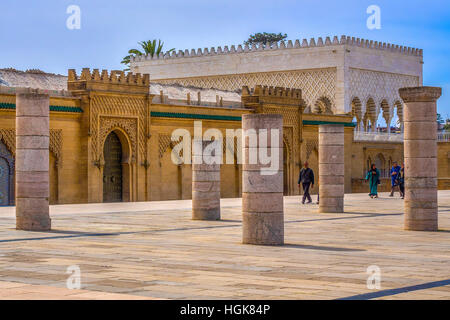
point(420, 150)
point(205, 186)
point(262, 191)
point(331, 168)
point(32, 162)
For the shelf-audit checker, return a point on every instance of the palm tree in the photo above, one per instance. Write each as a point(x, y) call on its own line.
point(150, 48)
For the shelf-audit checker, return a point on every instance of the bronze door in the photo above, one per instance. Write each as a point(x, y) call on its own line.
point(112, 172)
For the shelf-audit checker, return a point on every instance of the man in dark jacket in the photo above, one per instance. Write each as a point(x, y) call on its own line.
point(306, 179)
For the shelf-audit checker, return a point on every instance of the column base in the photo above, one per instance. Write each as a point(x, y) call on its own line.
point(263, 228)
point(32, 214)
point(421, 225)
point(206, 214)
point(35, 224)
point(331, 205)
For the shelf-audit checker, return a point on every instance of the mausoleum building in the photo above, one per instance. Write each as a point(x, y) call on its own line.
point(110, 132)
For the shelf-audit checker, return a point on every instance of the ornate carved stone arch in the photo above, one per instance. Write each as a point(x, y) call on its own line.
point(8, 136)
point(164, 141)
point(311, 145)
point(127, 125)
point(288, 143)
point(323, 104)
point(55, 145)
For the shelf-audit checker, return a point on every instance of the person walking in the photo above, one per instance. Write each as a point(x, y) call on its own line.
point(401, 181)
point(373, 175)
point(394, 177)
point(306, 180)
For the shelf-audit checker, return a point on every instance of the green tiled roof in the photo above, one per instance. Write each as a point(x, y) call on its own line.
point(317, 122)
point(193, 116)
point(12, 106)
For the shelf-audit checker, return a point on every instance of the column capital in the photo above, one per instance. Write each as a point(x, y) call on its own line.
point(420, 94)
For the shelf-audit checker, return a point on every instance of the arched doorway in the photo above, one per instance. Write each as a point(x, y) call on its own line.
point(112, 171)
point(6, 176)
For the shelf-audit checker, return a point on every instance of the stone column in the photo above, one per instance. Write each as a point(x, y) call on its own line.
point(420, 150)
point(262, 191)
point(331, 168)
point(32, 162)
point(205, 186)
point(366, 125)
point(388, 124)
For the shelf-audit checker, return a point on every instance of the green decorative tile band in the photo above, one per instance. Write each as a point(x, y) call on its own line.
point(317, 122)
point(12, 106)
point(66, 109)
point(193, 116)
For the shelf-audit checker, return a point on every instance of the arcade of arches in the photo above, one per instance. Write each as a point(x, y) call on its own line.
point(367, 114)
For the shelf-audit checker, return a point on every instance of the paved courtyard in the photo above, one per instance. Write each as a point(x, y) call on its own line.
point(154, 250)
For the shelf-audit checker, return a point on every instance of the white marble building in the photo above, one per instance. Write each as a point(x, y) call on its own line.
point(339, 75)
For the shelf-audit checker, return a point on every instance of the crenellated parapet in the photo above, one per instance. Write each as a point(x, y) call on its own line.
point(267, 95)
point(115, 81)
point(285, 45)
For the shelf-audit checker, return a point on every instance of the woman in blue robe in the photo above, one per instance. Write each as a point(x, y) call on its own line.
point(373, 175)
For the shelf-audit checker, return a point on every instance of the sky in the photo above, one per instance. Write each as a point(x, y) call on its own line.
point(33, 33)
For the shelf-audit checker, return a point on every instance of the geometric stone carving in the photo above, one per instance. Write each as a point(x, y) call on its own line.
point(129, 114)
point(365, 84)
point(56, 143)
point(8, 136)
point(311, 145)
point(315, 84)
point(164, 142)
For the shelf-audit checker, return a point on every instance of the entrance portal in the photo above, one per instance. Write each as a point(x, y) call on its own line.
point(6, 177)
point(112, 171)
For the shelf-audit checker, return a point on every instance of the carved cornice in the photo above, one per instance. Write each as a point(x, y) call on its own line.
point(420, 94)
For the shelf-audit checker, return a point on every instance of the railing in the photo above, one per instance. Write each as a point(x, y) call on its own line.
point(443, 136)
point(392, 137)
point(378, 136)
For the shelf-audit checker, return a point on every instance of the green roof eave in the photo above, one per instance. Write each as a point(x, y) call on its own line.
point(178, 115)
point(12, 106)
point(318, 122)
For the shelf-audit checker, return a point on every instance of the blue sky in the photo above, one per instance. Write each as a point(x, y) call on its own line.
point(33, 33)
